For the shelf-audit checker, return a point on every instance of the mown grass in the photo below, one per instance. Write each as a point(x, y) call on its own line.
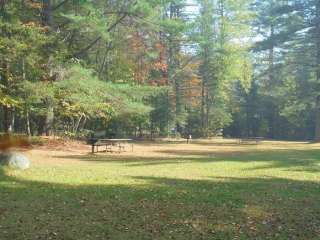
point(265, 194)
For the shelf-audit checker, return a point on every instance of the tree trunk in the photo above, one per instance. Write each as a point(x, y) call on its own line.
point(140, 131)
point(47, 22)
point(174, 65)
point(48, 125)
point(8, 116)
point(83, 124)
point(208, 112)
point(202, 106)
point(317, 119)
point(27, 115)
point(9, 119)
point(272, 81)
point(77, 124)
point(12, 120)
point(6, 119)
point(28, 127)
point(46, 13)
point(317, 107)
point(248, 123)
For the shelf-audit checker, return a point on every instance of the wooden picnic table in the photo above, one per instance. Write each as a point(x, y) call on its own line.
point(110, 143)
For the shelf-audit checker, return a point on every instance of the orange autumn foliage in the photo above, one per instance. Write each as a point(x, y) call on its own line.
point(8, 141)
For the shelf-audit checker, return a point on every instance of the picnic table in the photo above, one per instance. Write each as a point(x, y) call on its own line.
point(110, 144)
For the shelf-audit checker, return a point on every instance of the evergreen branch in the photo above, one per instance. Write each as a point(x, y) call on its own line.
point(59, 5)
point(82, 51)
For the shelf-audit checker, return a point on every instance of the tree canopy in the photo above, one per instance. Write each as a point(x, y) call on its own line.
point(140, 67)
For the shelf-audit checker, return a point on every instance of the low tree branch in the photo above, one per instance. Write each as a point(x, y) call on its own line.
point(59, 5)
point(119, 20)
point(82, 51)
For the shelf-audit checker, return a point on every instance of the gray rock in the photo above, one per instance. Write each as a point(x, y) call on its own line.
point(15, 160)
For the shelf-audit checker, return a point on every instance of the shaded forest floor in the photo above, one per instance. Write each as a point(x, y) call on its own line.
point(215, 189)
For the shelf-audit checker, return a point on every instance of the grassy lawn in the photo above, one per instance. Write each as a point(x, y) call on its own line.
point(204, 190)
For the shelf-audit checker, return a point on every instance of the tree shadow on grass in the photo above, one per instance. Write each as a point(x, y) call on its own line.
point(126, 160)
point(293, 160)
point(299, 160)
point(212, 143)
point(160, 208)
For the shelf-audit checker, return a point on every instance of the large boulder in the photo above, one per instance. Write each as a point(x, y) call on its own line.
point(15, 160)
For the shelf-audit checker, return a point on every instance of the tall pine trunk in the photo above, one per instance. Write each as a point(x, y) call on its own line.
point(8, 111)
point(317, 107)
point(271, 76)
point(174, 65)
point(28, 125)
point(203, 102)
point(12, 120)
point(46, 13)
point(47, 22)
point(26, 108)
point(208, 104)
point(49, 119)
point(5, 118)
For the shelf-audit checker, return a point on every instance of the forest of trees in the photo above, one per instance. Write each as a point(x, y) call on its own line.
point(138, 68)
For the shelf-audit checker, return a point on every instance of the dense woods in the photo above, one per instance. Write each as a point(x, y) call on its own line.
point(160, 67)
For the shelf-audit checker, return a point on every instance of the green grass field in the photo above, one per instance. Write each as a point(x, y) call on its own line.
point(214, 191)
